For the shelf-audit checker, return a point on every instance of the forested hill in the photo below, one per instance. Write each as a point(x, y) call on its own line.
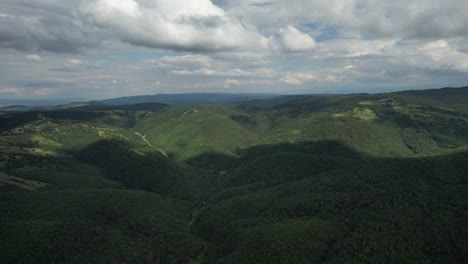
point(448, 95)
point(363, 178)
point(185, 99)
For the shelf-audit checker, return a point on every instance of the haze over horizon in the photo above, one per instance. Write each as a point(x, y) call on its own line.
point(104, 49)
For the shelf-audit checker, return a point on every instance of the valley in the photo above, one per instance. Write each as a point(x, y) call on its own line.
point(359, 178)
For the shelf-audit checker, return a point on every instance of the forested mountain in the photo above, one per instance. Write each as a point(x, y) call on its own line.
point(186, 99)
point(363, 178)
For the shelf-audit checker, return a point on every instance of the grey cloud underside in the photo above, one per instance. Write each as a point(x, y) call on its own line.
point(73, 26)
point(43, 25)
point(108, 48)
point(415, 19)
point(63, 26)
point(55, 35)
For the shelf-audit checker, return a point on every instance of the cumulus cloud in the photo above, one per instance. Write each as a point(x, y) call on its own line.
point(71, 26)
point(43, 25)
point(204, 45)
point(295, 40)
point(176, 25)
point(353, 48)
point(416, 19)
point(204, 25)
point(441, 55)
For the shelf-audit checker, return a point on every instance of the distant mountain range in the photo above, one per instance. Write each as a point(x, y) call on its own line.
point(259, 100)
point(186, 99)
point(38, 102)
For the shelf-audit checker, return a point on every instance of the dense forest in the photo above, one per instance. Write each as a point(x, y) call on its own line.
point(361, 178)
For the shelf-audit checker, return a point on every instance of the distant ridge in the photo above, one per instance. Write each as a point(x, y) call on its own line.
point(453, 94)
point(184, 99)
point(457, 95)
point(37, 102)
point(252, 99)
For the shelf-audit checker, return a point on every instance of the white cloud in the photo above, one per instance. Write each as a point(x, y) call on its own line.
point(352, 48)
point(441, 55)
point(295, 40)
point(254, 73)
point(177, 25)
point(415, 19)
point(74, 61)
point(9, 90)
point(228, 83)
point(287, 45)
point(33, 57)
point(204, 71)
point(202, 60)
point(4, 16)
point(109, 8)
point(298, 78)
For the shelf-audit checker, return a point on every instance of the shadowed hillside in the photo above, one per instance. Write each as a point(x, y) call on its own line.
point(291, 204)
point(332, 179)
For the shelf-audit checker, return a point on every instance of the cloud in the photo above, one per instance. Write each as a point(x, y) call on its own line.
point(43, 91)
point(295, 40)
point(33, 57)
point(270, 46)
point(198, 60)
point(9, 90)
point(204, 71)
point(352, 48)
point(43, 25)
point(228, 25)
point(409, 20)
point(254, 73)
point(72, 26)
point(176, 25)
point(207, 86)
point(74, 61)
point(228, 83)
point(441, 55)
point(298, 78)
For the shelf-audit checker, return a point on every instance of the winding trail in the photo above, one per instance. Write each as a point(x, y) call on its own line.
point(143, 137)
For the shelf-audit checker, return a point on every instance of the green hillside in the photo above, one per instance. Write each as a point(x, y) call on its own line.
point(358, 178)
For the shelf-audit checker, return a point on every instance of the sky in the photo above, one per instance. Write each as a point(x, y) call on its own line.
point(98, 49)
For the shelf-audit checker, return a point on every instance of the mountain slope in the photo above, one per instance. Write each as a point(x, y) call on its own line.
point(332, 179)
